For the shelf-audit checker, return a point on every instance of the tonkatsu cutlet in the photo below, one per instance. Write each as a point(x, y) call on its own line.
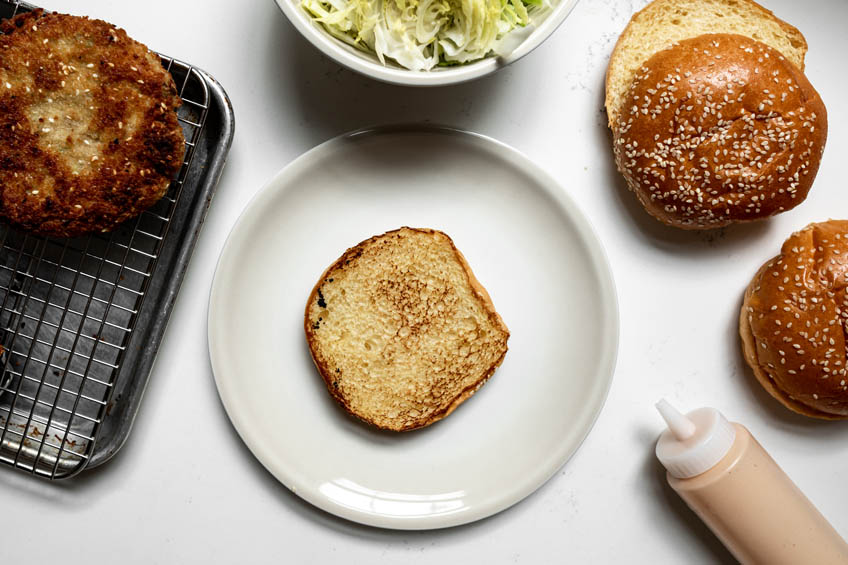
point(89, 136)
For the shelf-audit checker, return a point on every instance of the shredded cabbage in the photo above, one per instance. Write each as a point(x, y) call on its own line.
point(421, 34)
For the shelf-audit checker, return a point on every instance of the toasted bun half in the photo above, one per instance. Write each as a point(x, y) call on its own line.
point(719, 129)
point(793, 322)
point(401, 330)
point(665, 22)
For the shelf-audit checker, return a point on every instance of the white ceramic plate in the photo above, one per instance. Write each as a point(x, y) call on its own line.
point(369, 65)
point(527, 243)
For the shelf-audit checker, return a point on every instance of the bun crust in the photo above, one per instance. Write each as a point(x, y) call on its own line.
point(663, 22)
point(719, 129)
point(793, 322)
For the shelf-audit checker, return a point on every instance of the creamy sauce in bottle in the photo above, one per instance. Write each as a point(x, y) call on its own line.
point(736, 488)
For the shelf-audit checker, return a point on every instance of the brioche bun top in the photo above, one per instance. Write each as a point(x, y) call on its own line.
point(719, 129)
point(793, 322)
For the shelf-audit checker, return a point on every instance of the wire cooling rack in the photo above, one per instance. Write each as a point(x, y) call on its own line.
point(81, 319)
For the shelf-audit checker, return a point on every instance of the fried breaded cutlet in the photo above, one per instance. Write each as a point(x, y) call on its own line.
point(89, 136)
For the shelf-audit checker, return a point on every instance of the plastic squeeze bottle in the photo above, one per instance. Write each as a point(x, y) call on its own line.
point(736, 488)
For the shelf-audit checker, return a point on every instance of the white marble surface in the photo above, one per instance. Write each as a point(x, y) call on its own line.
point(184, 489)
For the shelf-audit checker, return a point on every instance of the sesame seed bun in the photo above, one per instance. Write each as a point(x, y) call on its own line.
point(793, 319)
point(662, 23)
point(719, 129)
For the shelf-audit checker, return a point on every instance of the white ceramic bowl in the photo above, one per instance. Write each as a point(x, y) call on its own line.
point(368, 64)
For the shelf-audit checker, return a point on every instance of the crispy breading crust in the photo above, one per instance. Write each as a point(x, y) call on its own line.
point(89, 136)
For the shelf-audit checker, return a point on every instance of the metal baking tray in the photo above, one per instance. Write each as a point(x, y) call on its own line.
point(81, 319)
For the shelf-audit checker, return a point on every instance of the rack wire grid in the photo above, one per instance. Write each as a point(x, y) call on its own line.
point(68, 308)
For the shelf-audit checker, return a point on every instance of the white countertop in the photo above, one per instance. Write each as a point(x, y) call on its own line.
point(184, 489)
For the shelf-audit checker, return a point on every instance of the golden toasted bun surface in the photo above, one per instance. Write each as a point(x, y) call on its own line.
point(664, 22)
point(719, 129)
point(401, 330)
point(793, 322)
point(89, 135)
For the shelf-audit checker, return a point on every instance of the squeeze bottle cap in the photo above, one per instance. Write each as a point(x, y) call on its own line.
point(695, 442)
